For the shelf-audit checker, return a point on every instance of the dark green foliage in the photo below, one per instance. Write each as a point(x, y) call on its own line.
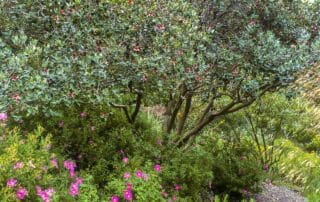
point(224, 54)
point(95, 137)
point(235, 168)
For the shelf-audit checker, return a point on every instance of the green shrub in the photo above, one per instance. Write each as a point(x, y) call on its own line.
point(215, 166)
point(94, 137)
point(143, 182)
point(236, 168)
point(192, 170)
point(212, 165)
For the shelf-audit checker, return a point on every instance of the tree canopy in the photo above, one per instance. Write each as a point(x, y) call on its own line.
point(222, 55)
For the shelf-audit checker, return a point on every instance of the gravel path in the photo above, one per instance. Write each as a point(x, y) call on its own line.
point(272, 193)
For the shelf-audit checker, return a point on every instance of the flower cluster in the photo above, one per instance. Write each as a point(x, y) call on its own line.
point(74, 188)
point(21, 193)
point(157, 168)
point(115, 199)
point(126, 175)
point(139, 174)
point(125, 160)
point(46, 194)
point(70, 165)
point(54, 162)
point(11, 183)
point(128, 192)
point(18, 165)
point(82, 114)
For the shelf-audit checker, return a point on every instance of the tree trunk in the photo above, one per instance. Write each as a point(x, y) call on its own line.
point(137, 107)
point(185, 114)
point(173, 114)
point(193, 132)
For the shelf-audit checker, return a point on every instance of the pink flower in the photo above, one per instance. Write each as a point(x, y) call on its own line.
point(129, 186)
point(39, 190)
point(18, 165)
point(115, 199)
point(145, 176)
point(164, 194)
point(79, 180)
point(43, 168)
point(70, 165)
point(157, 168)
point(46, 194)
point(126, 175)
point(72, 173)
point(21, 193)
point(82, 114)
point(71, 94)
point(159, 142)
point(3, 116)
point(174, 198)
point(74, 189)
point(136, 48)
point(159, 28)
point(11, 183)
point(16, 97)
point(125, 160)
point(177, 187)
point(245, 192)
point(46, 70)
point(139, 174)
point(54, 162)
point(144, 78)
point(127, 195)
point(14, 77)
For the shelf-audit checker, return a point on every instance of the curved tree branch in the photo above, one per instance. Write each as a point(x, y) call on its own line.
point(125, 110)
point(233, 106)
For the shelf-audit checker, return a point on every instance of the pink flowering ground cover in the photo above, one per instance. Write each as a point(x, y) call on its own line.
point(27, 178)
point(142, 184)
point(40, 175)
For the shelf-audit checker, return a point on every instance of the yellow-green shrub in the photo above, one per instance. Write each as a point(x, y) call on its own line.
point(300, 167)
